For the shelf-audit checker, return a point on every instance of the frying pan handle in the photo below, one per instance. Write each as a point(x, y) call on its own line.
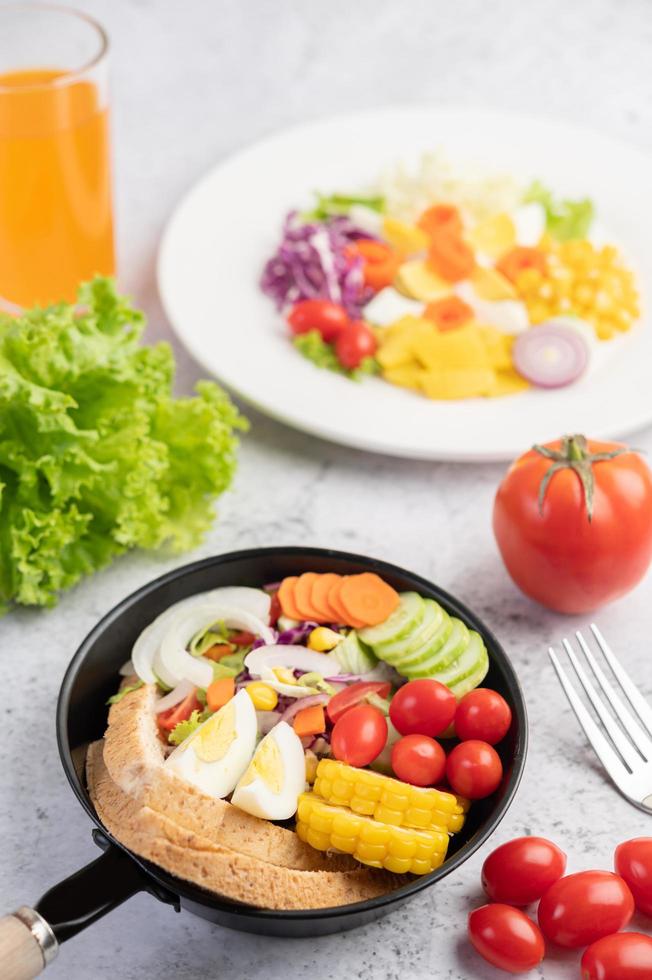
point(30, 938)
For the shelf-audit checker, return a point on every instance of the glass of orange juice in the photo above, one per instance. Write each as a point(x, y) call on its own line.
point(56, 223)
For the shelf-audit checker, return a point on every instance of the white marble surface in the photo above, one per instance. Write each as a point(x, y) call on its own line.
point(192, 82)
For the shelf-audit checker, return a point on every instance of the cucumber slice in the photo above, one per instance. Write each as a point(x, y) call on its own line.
point(429, 648)
point(353, 656)
point(441, 656)
point(473, 680)
point(406, 617)
point(395, 650)
point(469, 664)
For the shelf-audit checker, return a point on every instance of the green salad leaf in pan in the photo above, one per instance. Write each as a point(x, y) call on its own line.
point(96, 455)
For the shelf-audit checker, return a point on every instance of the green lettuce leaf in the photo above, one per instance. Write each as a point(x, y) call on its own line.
point(185, 728)
point(313, 347)
point(96, 456)
point(116, 698)
point(565, 219)
point(330, 205)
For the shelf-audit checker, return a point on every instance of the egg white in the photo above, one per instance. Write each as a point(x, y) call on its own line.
point(273, 792)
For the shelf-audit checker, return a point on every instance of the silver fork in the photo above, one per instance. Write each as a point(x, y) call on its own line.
point(625, 749)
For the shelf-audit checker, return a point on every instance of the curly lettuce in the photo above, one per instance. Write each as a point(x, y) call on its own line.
point(96, 456)
point(565, 219)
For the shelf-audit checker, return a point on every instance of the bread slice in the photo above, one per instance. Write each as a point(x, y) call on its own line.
point(134, 757)
point(222, 870)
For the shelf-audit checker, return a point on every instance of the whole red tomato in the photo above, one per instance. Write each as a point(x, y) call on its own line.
point(581, 908)
point(573, 522)
point(354, 343)
point(359, 735)
point(318, 314)
point(483, 714)
point(419, 760)
point(505, 937)
point(633, 862)
point(522, 870)
point(422, 707)
point(623, 956)
point(474, 769)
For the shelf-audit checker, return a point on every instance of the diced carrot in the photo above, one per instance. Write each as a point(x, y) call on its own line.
point(379, 262)
point(519, 260)
point(367, 598)
point(302, 596)
point(219, 692)
point(441, 216)
point(319, 596)
point(310, 721)
point(449, 256)
point(448, 313)
point(286, 597)
point(217, 651)
point(343, 614)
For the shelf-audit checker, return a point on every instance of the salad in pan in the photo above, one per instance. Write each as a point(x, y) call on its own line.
point(451, 283)
point(302, 745)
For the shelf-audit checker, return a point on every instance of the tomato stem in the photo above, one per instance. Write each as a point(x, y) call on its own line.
point(574, 455)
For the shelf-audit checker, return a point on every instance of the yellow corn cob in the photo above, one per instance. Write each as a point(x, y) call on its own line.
point(398, 849)
point(388, 800)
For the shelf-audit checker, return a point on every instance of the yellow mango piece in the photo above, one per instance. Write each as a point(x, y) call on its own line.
point(459, 349)
point(507, 383)
point(498, 346)
point(492, 285)
point(404, 238)
point(416, 280)
point(494, 235)
point(406, 376)
point(457, 383)
point(398, 341)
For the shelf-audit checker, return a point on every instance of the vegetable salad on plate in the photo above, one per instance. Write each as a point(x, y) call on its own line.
point(451, 283)
point(325, 698)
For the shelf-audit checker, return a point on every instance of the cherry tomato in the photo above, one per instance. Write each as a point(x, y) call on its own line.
point(354, 694)
point(556, 554)
point(419, 760)
point(242, 638)
point(505, 937)
point(633, 862)
point(359, 735)
point(482, 714)
point(583, 907)
point(355, 343)
point(167, 720)
point(520, 871)
point(474, 769)
point(422, 707)
point(318, 314)
point(623, 956)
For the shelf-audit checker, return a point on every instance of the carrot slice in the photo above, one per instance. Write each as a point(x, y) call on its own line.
point(302, 593)
point(367, 598)
point(286, 597)
point(441, 216)
point(519, 260)
point(220, 692)
point(319, 596)
point(379, 261)
point(449, 256)
point(343, 615)
point(448, 313)
point(310, 721)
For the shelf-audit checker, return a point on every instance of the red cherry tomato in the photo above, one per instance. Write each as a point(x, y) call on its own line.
point(355, 343)
point(354, 694)
point(167, 720)
point(419, 760)
point(558, 556)
point(633, 862)
point(359, 735)
point(583, 907)
point(318, 314)
point(482, 714)
point(422, 707)
point(623, 956)
point(505, 937)
point(520, 871)
point(474, 769)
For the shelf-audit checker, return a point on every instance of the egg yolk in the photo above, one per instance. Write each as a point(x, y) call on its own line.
point(267, 765)
point(213, 740)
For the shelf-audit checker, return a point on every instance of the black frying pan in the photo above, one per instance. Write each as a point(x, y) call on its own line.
point(30, 937)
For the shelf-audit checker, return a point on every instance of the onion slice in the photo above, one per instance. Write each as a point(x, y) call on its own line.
point(550, 355)
point(293, 709)
point(267, 720)
point(170, 700)
point(292, 656)
point(127, 669)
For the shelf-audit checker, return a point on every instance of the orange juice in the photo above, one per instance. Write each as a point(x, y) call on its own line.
point(55, 195)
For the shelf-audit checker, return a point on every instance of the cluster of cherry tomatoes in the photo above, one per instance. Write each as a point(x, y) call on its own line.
point(422, 711)
point(586, 909)
point(352, 340)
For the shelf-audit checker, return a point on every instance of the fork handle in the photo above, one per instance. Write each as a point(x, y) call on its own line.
point(27, 944)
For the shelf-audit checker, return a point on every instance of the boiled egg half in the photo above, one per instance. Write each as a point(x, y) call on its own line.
point(215, 755)
point(271, 786)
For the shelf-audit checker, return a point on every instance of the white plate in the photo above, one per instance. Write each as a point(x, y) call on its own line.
point(219, 237)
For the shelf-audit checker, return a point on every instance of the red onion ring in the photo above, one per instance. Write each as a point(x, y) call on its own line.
point(550, 355)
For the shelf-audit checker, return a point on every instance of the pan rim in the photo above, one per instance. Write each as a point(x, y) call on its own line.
point(193, 893)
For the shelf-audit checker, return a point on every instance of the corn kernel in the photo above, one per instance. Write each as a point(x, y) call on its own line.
point(284, 675)
point(263, 696)
point(323, 639)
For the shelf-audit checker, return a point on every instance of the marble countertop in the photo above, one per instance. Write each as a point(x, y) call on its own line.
point(191, 83)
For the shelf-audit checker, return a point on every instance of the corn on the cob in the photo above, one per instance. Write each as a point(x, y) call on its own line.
point(398, 849)
point(388, 800)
